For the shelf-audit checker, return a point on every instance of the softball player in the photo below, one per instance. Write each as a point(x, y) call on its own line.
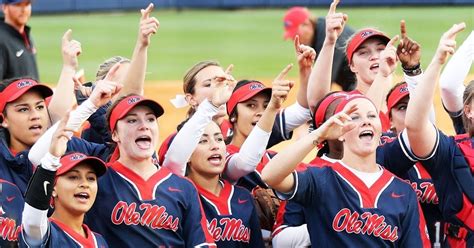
point(70, 182)
point(354, 201)
point(447, 159)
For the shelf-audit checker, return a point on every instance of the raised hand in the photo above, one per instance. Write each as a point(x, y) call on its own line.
point(106, 89)
point(408, 50)
point(148, 25)
point(305, 55)
point(280, 88)
point(447, 43)
point(337, 125)
point(388, 58)
point(60, 138)
point(70, 50)
point(335, 22)
point(222, 87)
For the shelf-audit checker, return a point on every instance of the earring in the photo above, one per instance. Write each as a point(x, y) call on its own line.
point(4, 125)
point(232, 119)
point(54, 195)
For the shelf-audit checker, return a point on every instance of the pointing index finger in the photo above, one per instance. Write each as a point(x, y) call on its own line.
point(297, 43)
point(284, 72)
point(146, 12)
point(403, 29)
point(332, 8)
point(392, 41)
point(455, 29)
point(67, 35)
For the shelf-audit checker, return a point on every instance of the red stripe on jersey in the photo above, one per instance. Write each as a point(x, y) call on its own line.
point(425, 239)
point(222, 201)
point(88, 242)
point(368, 195)
point(466, 215)
point(146, 188)
point(421, 171)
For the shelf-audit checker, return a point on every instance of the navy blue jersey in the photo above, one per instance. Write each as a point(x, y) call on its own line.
point(453, 179)
point(341, 208)
point(16, 169)
point(11, 208)
point(231, 217)
point(290, 213)
point(391, 154)
point(60, 235)
point(163, 211)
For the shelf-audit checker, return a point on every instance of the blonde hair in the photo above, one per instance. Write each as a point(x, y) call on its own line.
point(105, 67)
point(467, 99)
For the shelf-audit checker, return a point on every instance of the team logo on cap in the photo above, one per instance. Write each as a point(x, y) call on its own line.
point(255, 86)
point(366, 33)
point(23, 84)
point(77, 156)
point(403, 89)
point(287, 24)
point(133, 100)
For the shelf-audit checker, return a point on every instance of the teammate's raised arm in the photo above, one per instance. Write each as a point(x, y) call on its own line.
point(64, 99)
point(135, 77)
point(421, 133)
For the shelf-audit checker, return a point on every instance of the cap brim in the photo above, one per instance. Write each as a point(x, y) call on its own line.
point(396, 100)
point(44, 90)
point(97, 165)
point(155, 107)
point(289, 34)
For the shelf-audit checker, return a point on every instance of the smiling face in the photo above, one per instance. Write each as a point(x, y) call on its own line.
point(365, 60)
point(208, 159)
point(364, 138)
point(249, 113)
point(26, 119)
point(76, 190)
point(137, 133)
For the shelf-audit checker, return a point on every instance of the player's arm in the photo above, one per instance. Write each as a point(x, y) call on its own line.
point(135, 78)
point(451, 81)
point(277, 173)
point(40, 188)
point(101, 95)
point(421, 132)
point(64, 98)
point(186, 140)
point(254, 146)
point(320, 78)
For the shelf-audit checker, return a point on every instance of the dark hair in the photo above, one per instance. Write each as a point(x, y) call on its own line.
point(3, 85)
point(467, 99)
point(189, 80)
point(388, 95)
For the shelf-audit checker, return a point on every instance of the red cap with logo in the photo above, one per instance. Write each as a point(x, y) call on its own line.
point(19, 87)
point(292, 20)
point(69, 161)
point(128, 103)
point(244, 91)
point(323, 106)
point(396, 95)
point(360, 37)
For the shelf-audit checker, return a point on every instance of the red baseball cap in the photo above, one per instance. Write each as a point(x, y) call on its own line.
point(19, 87)
point(318, 116)
point(360, 37)
point(243, 91)
point(292, 20)
point(347, 99)
point(69, 161)
point(128, 103)
point(396, 95)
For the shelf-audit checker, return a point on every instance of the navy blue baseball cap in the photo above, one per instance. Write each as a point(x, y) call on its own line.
point(14, 1)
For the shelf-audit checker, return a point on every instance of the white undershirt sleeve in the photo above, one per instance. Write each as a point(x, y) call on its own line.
point(295, 116)
point(76, 118)
point(451, 81)
point(412, 82)
point(249, 155)
point(186, 140)
point(35, 224)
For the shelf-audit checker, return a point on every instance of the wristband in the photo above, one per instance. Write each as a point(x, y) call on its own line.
point(414, 71)
point(40, 188)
